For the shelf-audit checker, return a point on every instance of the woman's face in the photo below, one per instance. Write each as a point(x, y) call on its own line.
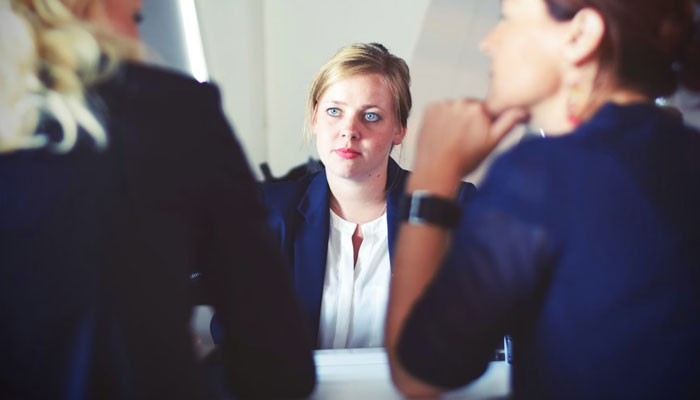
point(124, 16)
point(355, 126)
point(526, 56)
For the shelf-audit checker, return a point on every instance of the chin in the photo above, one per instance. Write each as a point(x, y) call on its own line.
point(494, 106)
point(341, 171)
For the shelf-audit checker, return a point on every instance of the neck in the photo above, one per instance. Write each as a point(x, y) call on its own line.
point(550, 116)
point(553, 114)
point(358, 201)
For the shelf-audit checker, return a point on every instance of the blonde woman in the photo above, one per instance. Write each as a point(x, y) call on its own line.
point(117, 181)
point(336, 227)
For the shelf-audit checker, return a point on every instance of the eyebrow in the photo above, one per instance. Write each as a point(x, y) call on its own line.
point(364, 106)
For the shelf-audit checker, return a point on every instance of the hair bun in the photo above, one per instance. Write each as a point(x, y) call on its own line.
point(380, 47)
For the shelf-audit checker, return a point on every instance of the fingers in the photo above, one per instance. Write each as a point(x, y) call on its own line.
point(462, 133)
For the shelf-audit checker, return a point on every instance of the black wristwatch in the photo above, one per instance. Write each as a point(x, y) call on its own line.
point(423, 208)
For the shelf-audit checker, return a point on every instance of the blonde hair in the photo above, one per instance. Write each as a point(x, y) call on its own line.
point(49, 58)
point(362, 58)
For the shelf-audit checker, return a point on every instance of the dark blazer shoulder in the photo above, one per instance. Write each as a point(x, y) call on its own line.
point(147, 84)
point(170, 122)
point(282, 197)
point(467, 191)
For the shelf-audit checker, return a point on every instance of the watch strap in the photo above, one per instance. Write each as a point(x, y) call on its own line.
point(421, 207)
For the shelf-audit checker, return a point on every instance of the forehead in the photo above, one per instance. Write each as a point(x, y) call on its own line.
point(369, 87)
point(125, 6)
point(527, 9)
point(522, 4)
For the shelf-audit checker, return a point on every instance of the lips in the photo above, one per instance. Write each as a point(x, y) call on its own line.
point(346, 153)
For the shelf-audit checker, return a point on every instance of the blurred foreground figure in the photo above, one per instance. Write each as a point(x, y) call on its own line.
point(117, 181)
point(584, 244)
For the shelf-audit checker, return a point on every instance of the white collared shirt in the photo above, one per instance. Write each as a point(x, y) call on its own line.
point(355, 298)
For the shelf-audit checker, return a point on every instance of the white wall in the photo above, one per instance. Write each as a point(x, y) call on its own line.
point(447, 63)
point(163, 34)
point(233, 42)
point(264, 53)
point(301, 36)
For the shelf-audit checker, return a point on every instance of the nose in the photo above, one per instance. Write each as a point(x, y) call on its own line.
point(350, 129)
point(486, 43)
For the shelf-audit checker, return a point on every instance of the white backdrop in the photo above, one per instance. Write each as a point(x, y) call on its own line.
point(264, 53)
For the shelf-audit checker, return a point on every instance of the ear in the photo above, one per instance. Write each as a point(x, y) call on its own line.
point(586, 32)
point(399, 136)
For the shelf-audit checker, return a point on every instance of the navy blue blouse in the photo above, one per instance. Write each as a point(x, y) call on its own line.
point(587, 248)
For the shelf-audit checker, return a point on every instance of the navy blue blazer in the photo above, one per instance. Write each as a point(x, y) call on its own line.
point(299, 216)
point(96, 250)
point(586, 247)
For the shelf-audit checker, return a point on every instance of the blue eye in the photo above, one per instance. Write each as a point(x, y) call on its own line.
point(333, 112)
point(372, 117)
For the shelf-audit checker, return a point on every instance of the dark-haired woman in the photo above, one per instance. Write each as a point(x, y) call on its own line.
point(585, 244)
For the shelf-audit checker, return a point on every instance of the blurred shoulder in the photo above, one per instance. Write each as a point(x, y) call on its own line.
point(147, 83)
point(525, 174)
point(286, 195)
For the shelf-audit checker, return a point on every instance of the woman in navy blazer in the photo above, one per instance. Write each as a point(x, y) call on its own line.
point(357, 110)
point(99, 236)
point(584, 244)
point(298, 213)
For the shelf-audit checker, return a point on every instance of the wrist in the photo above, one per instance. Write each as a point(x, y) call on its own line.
point(424, 208)
point(443, 184)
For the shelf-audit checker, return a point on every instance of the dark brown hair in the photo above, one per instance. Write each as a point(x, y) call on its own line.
point(649, 45)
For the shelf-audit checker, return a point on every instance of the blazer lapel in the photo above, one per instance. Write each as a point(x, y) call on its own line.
point(311, 248)
point(396, 179)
